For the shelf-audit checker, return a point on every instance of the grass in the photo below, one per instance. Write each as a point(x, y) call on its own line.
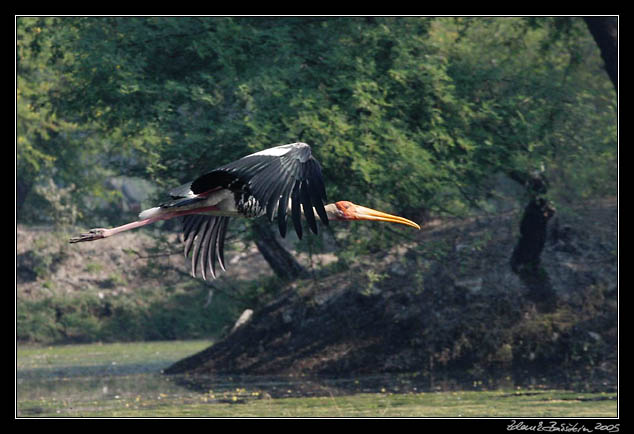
point(552, 403)
point(124, 380)
point(151, 353)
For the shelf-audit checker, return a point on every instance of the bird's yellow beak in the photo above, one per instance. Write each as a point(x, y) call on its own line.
point(357, 212)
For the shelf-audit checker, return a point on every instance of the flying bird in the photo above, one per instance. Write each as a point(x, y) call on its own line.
point(275, 182)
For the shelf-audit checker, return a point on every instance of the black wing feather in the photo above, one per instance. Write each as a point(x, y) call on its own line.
point(201, 248)
point(220, 247)
point(281, 210)
point(308, 207)
point(272, 177)
point(295, 211)
point(204, 237)
point(197, 243)
point(190, 235)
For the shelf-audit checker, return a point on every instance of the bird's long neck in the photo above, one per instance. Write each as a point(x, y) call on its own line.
point(331, 211)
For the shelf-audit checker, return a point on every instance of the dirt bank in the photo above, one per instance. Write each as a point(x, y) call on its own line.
point(447, 304)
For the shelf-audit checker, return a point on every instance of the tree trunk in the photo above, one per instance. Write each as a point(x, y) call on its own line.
point(527, 252)
point(526, 257)
point(281, 262)
point(605, 31)
point(22, 189)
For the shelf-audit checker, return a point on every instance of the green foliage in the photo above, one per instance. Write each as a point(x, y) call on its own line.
point(405, 114)
point(55, 154)
point(144, 315)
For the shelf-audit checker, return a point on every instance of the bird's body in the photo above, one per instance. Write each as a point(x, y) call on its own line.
point(277, 182)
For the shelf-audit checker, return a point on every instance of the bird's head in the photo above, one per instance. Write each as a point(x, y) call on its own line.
point(344, 210)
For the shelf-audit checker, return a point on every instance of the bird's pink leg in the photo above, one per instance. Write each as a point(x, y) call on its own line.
point(133, 225)
point(99, 233)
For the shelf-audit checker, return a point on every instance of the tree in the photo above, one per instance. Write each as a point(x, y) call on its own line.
point(50, 144)
point(283, 264)
point(408, 114)
point(605, 31)
point(537, 129)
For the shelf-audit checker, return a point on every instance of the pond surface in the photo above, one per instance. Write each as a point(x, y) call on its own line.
point(125, 379)
point(68, 380)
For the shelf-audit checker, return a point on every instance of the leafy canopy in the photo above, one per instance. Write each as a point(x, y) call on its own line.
point(404, 113)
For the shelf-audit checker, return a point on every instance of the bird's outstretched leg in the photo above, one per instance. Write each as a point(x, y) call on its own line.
point(99, 233)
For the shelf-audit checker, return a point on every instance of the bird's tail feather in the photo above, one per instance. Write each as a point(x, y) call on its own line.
point(148, 213)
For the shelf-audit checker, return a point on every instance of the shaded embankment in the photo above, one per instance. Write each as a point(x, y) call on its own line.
point(446, 307)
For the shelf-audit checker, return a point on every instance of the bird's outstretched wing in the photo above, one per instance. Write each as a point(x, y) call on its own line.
point(203, 234)
point(273, 177)
point(204, 237)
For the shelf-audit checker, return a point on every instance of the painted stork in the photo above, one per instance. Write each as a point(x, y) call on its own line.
point(274, 182)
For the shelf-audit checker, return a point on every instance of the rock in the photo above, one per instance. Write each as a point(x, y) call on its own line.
point(596, 336)
point(242, 320)
point(472, 284)
point(398, 269)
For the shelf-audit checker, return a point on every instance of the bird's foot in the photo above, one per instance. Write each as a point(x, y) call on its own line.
point(91, 235)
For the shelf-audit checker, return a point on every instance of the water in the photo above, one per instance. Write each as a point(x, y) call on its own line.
point(70, 380)
point(125, 379)
point(98, 379)
point(78, 380)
